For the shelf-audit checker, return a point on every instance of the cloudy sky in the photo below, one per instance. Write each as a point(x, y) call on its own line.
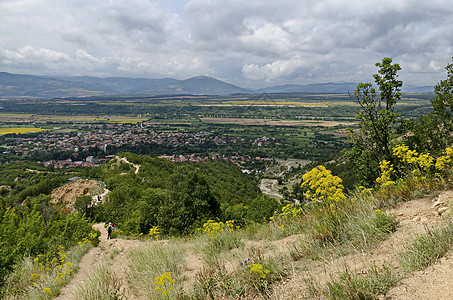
point(249, 43)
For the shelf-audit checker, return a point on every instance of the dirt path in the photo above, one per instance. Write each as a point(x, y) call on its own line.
point(137, 167)
point(116, 248)
point(414, 216)
point(436, 281)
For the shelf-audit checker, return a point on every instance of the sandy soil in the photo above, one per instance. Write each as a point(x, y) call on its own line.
point(69, 192)
point(436, 281)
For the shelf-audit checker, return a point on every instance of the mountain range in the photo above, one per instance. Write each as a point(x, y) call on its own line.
point(32, 86)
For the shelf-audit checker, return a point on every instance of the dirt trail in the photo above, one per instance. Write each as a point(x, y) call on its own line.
point(137, 167)
point(95, 257)
point(414, 216)
point(435, 282)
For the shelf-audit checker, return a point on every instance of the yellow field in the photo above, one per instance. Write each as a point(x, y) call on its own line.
point(63, 118)
point(266, 103)
point(261, 122)
point(20, 130)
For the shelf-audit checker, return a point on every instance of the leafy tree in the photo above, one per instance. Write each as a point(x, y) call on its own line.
point(377, 119)
point(83, 204)
point(433, 132)
point(189, 203)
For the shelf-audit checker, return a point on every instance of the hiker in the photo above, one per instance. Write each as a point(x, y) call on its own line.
point(109, 230)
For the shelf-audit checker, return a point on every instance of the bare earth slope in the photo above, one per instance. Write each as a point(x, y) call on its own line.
point(69, 192)
point(414, 216)
point(436, 282)
point(433, 283)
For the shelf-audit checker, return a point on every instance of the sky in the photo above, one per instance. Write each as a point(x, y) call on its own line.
point(248, 43)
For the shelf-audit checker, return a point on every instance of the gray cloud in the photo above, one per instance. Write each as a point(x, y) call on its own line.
point(250, 43)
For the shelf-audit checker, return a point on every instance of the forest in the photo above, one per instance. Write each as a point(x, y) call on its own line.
point(178, 198)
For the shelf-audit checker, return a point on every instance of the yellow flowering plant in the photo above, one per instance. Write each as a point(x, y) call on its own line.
point(387, 172)
point(328, 200)
point(154, 233)
point(163, 283)
point(416, 161)
point(214, 229)
point(258, 276)
point(444, 161)
point(258, 270)
point(323, 188)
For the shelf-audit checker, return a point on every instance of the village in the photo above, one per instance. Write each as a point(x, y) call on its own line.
point(90, 145)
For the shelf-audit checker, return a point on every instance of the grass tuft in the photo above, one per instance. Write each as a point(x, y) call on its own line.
point(427, 248)
point(369, 284)
point(101, 284)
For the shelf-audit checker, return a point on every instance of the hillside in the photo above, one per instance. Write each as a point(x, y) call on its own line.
point(414, 217)
point(30, 86)
point(366, 245)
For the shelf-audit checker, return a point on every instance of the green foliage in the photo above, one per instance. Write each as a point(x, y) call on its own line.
point(29, 180)
point(377, 119)
point(433, 131)
point(83, 204)
point(178, 198)
point(35, 227)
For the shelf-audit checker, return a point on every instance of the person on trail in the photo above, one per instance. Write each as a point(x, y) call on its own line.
point(109, 230)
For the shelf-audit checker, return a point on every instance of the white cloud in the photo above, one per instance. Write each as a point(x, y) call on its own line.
point(244, 42)
point(31, 54)
point(434, 65)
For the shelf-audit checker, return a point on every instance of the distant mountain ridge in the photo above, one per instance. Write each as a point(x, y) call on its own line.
point(32, 86)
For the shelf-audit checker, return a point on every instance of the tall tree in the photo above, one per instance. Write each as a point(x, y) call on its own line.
point(377, 119)
point(433, 132)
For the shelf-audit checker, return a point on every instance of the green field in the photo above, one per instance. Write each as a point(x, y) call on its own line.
point(301, 126)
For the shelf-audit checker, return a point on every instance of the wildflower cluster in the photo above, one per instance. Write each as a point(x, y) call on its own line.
point(364, 191)
point(246, 262)
point(34, 278)
point(324, 188)
point(405, 154)
point(386, 173)
point(288, 212)
point(163, 283)
point(214, 229)
point(92, 238)
point(258, 270)
point(154, 233)
point(422, 161)
point(444, 160)
point(55, 263)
